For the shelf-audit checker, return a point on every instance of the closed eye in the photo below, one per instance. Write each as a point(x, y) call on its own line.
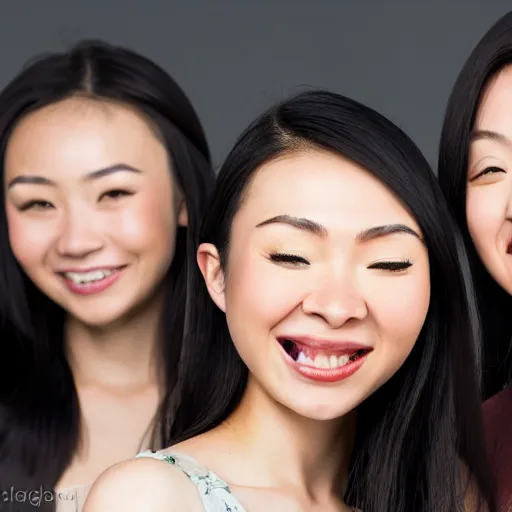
point(115, 194)
point(288, 258)
point(391, 266)
point(37, 204)
point(488, 170)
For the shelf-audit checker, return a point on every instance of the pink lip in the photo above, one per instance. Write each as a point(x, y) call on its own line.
point(327, 375)
point(91, 269)
point(93, 287)
point(336, 347)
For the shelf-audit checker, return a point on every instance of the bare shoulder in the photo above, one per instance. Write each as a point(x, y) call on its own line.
point(143, 484)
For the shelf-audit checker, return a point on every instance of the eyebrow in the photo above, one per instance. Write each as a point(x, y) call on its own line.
point(319, 230)
point(100, 173)
point(489, 135)
point(385, 230)
point(297, 222)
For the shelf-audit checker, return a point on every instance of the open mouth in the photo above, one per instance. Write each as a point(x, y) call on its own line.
point(320, 358)
point(91, 276)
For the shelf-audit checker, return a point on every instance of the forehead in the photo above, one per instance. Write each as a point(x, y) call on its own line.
point(495, 110)
point(324, 187)
point(80, 134)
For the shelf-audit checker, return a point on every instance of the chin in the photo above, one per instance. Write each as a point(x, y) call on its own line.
point(323, 414)
point(327, 411)
point(97, 318)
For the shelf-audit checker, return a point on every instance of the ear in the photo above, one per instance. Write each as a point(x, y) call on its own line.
point(208, 260)
point(183, 214)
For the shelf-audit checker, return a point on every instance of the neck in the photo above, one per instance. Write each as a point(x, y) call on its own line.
point(316, 453)
point(120, 356)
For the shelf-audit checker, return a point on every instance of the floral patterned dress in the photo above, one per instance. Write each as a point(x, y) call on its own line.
point(215, 493)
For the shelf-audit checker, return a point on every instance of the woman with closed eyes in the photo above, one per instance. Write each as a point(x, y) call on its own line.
point(331, 354)
point(105, 173)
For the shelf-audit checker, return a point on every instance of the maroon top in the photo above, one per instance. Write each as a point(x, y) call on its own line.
point(498, 430)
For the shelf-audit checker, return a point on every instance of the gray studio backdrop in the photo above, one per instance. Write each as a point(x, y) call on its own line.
point(236, 57)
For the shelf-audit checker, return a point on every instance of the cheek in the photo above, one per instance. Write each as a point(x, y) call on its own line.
point(399, 309)
point(485, 210)
point(146, 222)
point(29, 240)
point(260, 293)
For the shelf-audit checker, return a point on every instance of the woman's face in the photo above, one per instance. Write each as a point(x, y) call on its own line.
point(489, 185)
point(91, 207)
point(327, 285)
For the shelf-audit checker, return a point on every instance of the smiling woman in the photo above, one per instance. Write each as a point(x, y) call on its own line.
point(331, 309)
point(475, 164)
point(80, 219)
point(105, 174)
point(328, 360)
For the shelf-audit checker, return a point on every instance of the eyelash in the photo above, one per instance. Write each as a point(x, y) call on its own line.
point(279, 257)
point(390, 266)
point(40, 204)
point(488, 170)
point(117, 192)
point(44, 205)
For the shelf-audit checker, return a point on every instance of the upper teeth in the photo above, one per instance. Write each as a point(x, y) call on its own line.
point(323, 361)
point(87, 277)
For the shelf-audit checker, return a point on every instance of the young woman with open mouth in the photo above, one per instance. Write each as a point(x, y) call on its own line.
point(475, 173)
point(332, 350)
point(105, 174)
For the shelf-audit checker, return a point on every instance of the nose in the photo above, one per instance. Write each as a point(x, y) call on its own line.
point(78, 237)
point(336, 300)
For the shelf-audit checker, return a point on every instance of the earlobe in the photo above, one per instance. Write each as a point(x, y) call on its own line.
point(208, 260)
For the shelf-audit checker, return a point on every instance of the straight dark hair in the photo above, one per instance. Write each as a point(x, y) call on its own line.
point(492, 53)
point(39, 410)
point(420, 434)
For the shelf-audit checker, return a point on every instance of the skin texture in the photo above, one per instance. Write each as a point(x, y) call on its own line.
point(333, 292)
point(489, 189)
point(334, 295)
point(489, 218)
point(82, 221)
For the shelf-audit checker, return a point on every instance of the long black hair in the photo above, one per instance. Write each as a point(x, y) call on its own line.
point(39, 411)
point(421, 431)
point(491, 54)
